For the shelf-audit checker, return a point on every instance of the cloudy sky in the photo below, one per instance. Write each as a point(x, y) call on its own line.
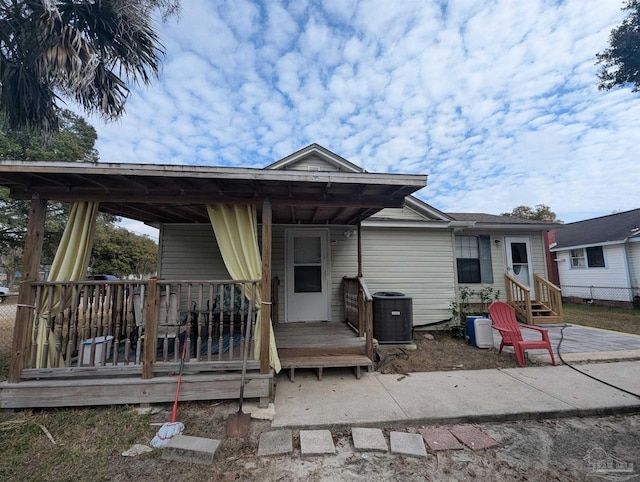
point(496, 100)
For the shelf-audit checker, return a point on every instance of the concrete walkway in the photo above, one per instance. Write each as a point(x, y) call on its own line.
point(453, 397)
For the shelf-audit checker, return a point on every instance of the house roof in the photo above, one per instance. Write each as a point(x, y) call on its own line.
point(497, 221)
point(611, 229)
point(156, 193)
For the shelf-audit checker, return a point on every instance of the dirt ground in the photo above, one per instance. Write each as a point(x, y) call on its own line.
point(439, 351)
point(568, 449)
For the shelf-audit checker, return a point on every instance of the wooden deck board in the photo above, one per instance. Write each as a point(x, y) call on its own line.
point(320, 345)
point(114, 391)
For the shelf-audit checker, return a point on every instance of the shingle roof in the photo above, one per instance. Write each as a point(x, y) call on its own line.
point(492, 218)
point(605, 229)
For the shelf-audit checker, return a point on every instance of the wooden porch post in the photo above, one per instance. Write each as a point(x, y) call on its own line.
point(151, 330)
point(359, 249)
point(26, 294)
point(266, 287)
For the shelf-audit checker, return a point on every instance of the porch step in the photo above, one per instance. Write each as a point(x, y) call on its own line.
point(547, 320)
point(321, 362)
point(358, 349)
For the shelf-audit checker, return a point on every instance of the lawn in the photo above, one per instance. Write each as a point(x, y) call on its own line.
point(626, 320)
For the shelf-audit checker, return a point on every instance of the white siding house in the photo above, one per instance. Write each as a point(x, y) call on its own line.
point(599, 258)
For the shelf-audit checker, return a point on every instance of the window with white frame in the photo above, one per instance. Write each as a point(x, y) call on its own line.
point(592, 257)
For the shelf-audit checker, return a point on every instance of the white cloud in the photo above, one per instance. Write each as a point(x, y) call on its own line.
point(496, 101)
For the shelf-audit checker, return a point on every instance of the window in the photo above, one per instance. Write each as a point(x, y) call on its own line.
point(595, 257)
point(577, 258)
point(592, 257)
point(468, 259)
point(473, 257)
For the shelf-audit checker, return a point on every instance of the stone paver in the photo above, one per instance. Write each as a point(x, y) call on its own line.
point(439, 438)
point(316, 442)
point(369, 440)
point(275, 443)
point(198, 450)
point(410, 444)
point(473, 438)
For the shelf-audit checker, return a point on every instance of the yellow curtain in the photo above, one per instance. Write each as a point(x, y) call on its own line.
point(236, 230)
point(69, 264)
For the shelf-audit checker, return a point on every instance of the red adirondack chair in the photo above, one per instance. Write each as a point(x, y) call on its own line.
point(503, 317)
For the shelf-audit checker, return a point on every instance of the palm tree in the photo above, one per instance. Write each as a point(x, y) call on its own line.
point(87, 50)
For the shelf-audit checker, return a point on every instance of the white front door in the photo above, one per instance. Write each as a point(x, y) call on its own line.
point(519, 263)
point(308, 277)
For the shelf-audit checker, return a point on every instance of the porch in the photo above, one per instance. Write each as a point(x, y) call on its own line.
point(94, 343)
point(543, 308)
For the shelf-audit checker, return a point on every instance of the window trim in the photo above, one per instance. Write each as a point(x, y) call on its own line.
point(483, 259)
point(584, 256)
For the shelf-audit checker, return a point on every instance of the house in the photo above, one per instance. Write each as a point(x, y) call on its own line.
point(598, 260)
point(329, 236)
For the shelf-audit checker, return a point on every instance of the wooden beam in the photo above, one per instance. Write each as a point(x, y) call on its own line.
point(26, 294)
point(310, 197)
point(116, 391)
point(150, 329)
point(265, 321)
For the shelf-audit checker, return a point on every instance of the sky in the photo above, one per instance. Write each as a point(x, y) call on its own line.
point(496, 100)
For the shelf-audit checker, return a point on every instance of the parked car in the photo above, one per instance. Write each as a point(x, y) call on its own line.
point(102, 277)
point(4, 293)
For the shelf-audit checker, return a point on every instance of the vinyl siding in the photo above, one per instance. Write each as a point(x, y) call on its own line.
point(398, 214)
point(190, 252)
point(578, 281)
point(312, 163)
point(499, 257)
point(417, 262)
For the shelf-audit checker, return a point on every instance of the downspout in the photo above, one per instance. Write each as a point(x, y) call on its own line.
point(627, 266)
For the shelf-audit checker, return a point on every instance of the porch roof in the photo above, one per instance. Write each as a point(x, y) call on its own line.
point(155, 193)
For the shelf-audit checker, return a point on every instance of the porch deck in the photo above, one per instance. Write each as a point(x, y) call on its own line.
point(320, 345)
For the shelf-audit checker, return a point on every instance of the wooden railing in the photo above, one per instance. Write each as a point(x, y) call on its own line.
point(548, 294)
point(81, 328)
point(519, 296)
point(358, 309)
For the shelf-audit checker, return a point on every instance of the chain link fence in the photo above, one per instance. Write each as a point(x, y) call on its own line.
point(602, 294)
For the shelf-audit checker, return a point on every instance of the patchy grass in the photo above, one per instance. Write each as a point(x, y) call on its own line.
point(626, 320)
point(87, 443)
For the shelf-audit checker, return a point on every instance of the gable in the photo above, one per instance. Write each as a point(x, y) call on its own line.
point(315, 158)
point(313, 162)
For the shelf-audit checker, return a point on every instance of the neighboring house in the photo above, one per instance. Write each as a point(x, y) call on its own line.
point(599, 259)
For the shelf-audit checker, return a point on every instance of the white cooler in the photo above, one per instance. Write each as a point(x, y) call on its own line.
point(102, 342)
point(481, 333)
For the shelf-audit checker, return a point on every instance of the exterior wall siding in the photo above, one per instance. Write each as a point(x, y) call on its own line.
point(312, 163)
point(417, 262)
point(399, 214)
point(499, 257)
point(190, 252)
point(578, 282)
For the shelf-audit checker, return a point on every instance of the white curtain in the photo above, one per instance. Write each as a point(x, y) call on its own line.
point(236, 231)
point(69, 264)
